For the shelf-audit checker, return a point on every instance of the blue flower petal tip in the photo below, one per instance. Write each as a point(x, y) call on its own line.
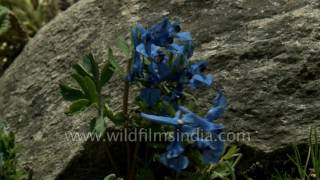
point(218, 108)
point(177, 164)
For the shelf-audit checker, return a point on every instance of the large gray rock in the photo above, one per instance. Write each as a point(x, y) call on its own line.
point(265, 54)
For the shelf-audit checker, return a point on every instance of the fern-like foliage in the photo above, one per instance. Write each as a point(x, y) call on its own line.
point(4, 20)
point(32, 14)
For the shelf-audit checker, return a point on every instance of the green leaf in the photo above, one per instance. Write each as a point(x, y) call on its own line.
point(122, 44)
point(86, 62)
point(93, 65)
point(78, 106)
point(88, 67)
point(119, 119)
point(70, 93)
point(111, 177)
point(81, 70)
point(233, 150)
point(169, 109)
point(92, 90)
point(112, 60)
point(108, 112)
point(88, 87)
point(100, 126)
point(4, 20)
point(82, 83)
point(109, 68)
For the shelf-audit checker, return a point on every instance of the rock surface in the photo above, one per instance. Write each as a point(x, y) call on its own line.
point(265, 55)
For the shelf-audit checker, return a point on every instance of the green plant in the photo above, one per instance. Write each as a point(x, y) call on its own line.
point(20, 20)
point(4, 19)
point(281, 176)
point(12, 37)
point(88, 90)
point(159, 64)
point(112, 177)
point(314, 149)
point(32, 14)
point(310, 169)
point(224, 169)
point(9, 150)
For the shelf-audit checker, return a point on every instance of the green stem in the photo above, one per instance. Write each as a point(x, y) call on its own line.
point(125, 113)
point(231, 169)
point(101, 114)
point(237, 160)
point(134, 160)
point(126, 91)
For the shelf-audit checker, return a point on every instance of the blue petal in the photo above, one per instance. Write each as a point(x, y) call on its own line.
point(184, 36)
point(188, 49)
point(162, 34)
point(135, 32)
point(187, 129)
point(185, 110)
point(150, 96)
point(198, 80)
point(161, 70)
point(175, 48)
point(198, 67)
point(175, 149)
point(178, 164)
point(219, 106)
point(160, 119)
point(154, 51)
point(220, 99)
point(188, 119)
point(202, 143)
point(212, 155)
point(164, 70)
point(206, 125)
point(214, 113)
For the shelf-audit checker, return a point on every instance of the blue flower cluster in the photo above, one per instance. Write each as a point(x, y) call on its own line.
point(187, 123)
point(162, 54)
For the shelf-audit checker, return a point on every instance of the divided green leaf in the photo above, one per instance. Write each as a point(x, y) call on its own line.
point(122, 44)
point(100, 125)
point(78, 106)
point(93, 65)
point(70, 93)
point(91, 90)
point(4, 20)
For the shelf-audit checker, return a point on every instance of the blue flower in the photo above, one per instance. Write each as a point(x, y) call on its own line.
point(173, 157)
point(197, 78)
point(159, 71)
point(150, 96)
point(163, 119)
point(187, 122)
point(137, 68)
point(162, 35)
point(200, 79)
point(178, 164)
point(212, 150)
point(219, 106)
point(151, 51)
point(175, 149)
point(186, 117)
point(162, 57)
point(198, 121)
